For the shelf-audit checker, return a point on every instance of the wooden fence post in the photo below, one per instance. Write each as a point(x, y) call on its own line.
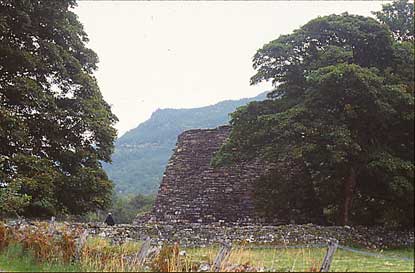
point(222, 255)
point(52, 227)
point(325, 266)
point(143, 252)
point(79, 244)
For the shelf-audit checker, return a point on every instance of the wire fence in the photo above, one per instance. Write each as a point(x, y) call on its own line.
point(376, 255)
point(283, 246)
point(343, 261)
point(324, 245)
point(310, 257)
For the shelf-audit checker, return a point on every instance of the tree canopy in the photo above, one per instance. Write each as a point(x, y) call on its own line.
point(399, 17)
point(55, 127)
point(339, 123)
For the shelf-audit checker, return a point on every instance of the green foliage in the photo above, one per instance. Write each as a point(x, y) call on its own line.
point(323, 41)
point(141, 154)
point(55, 127)
point(126, 208)
point(399, 17)
point(342, 114)
point(12, 201)
point(287, 196)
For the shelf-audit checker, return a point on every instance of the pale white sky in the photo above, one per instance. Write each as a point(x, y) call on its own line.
point(188, 54)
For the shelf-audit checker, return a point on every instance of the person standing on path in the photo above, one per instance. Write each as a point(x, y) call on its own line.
point(109, 220)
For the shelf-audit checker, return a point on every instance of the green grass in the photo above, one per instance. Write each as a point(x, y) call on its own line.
point(14, 258)
point(347, 261)
point(309, 259)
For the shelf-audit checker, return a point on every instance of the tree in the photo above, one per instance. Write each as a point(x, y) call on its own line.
point(126, 208)
point(323, 41)
point(399, 16)
point(342, 112)
point(55, 127)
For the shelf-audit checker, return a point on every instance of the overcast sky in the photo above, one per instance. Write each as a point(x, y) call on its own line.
point(188, 54)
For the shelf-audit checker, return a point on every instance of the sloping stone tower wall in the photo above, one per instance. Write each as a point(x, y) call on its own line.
point(193, 191)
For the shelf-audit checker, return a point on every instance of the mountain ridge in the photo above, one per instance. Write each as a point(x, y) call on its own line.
point(142, 153)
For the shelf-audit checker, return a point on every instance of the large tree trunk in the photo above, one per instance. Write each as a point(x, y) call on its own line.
point(349, 186)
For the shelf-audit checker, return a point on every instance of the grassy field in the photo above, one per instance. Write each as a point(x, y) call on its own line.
point(14, 258)
point(307, 259)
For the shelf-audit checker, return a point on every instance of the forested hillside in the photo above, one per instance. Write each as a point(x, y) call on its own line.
point(141, 154)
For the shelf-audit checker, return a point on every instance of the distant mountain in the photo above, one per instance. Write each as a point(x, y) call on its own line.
point(142, 153)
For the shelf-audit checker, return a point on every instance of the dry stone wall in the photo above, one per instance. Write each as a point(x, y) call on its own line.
point(195, 234)
point(193, 191)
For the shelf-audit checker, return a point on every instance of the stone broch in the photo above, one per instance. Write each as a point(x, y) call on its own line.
point(193, 191)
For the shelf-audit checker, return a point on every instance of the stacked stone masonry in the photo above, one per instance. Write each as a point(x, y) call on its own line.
point(195, 234)
point(193, 191)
